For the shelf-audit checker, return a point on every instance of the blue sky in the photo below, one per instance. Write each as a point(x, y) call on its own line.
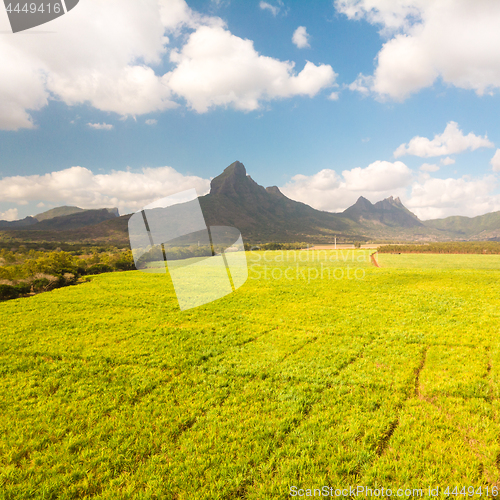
point(121, 102)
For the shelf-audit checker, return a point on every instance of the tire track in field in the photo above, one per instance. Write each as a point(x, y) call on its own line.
point(418, 371)
point(242, 489)
point(292, 352)
point(109, 363)
point(467, 437)
point(184, 428)
point(471, 442)
point(384, 440)
point(493, 392)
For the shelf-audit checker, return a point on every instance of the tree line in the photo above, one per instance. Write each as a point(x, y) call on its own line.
point(448, 247)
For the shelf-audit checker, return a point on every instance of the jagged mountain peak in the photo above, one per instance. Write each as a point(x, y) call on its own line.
point(236, 168)
point(362, 203)
point(235, 183)
point(390, 212)
point(228, 182)
point(389, 203)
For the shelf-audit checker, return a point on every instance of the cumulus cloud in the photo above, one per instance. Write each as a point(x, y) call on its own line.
point(457, 41)
point(300, 37)
point(432, 198)
point(100, 126)
point(495, 161)
point(105, 55)
point(98, 55)
point(216, 68)
point(329, 191)
point(452, 140)
point(273, 9)
point(447, 161)
point(11, 214)
point(129, 191)
point(151, 121)
point(362, 84)
point(429, 167)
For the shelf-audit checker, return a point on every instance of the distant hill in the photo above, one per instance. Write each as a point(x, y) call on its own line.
point(110, 232)
point(76, 220)
point(482, 227)
point(58, 212)
point(16, 224)
point(53, 227)
point(262, 215)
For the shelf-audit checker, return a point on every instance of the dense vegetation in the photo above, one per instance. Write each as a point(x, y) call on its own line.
point(273, 245)
point(24, 271)
point(359, 376)
point(461, 247)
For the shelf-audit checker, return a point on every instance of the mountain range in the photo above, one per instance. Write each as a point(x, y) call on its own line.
point(263, 215)
point(62, 218)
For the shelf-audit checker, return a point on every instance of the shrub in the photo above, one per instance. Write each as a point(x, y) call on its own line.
point(8, 292)
point(69, 278)
point(52, 263)
point(23, 288)
point(45, 282)
point(124, 265)
point(99, 268)
point(39, 284)
point(125, 262)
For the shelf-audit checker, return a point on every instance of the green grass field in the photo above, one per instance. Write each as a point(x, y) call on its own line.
point(368, 376)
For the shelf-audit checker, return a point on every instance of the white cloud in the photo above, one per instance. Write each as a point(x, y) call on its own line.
point(105, 55)
point(447, 161)
point(216, 68)
point(271, 8)
point(328, 191)
point(334, 96)
point(10, 215)
point(452, 140)
point(378, 176)
point(21, 88)
point(98, 55)
point(151, 121)
point(426, 196)
point(392, 16)
point(495, 161)
point(362, 84)
point(129, 191)
point(457, 41)
point(300, 37)
point(429, 167)
point(100, 126)
point(432, 198)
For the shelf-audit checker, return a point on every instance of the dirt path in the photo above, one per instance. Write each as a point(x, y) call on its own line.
point(374, 260)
